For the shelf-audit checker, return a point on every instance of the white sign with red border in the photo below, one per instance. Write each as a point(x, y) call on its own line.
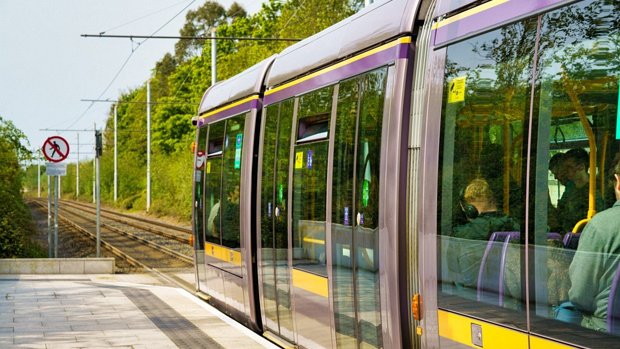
point(200, 160)
point(55, 149)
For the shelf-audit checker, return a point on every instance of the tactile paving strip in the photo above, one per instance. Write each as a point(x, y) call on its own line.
point(180, 330)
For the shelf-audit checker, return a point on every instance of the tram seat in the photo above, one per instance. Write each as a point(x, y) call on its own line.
point(491, 274)
point(571, 240)
point(613, 306)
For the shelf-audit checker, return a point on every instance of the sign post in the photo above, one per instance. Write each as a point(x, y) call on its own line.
point(98, 151)
point(55, 149)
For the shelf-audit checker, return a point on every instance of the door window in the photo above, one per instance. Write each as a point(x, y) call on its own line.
point(310, 181)
point(482, 182)
point(355, 210)
point(577, 148)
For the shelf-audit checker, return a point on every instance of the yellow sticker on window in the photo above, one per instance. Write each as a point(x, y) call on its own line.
point(208, 166)
point(299, 160)
point(456, 89)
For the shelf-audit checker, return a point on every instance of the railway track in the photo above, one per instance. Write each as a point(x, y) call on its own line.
point(155, 246)
point(181, 234)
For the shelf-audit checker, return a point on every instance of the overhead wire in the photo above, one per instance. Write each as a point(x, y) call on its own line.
point(133, 50)
point(143, 17)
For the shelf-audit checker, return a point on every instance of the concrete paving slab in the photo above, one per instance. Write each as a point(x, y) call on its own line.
point(104, 311)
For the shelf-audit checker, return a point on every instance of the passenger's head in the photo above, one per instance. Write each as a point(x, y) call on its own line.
point(577, 159)
point(556, 167)
point(616, 170)
point(479, 194)
point(576, 163)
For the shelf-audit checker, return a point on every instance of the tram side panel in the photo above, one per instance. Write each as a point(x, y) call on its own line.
point(502, 118)
point(327, 244)
point(227, 239)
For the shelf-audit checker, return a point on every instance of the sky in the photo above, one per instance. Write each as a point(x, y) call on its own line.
point(47, 68)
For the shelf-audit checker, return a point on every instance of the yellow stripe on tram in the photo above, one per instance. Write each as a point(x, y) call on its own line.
point(405, 40)
point(310, 282)
point(459, 329)
point(541, 343)
point(468, 13)
point(223, 253)
point(219, 110)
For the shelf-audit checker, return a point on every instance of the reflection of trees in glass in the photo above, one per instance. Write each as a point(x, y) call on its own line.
point(579, 70)
point(198, 191)
point(369, 146)
point(497, 67)
point(267, 193)
point(231, 181)
point(213, 184)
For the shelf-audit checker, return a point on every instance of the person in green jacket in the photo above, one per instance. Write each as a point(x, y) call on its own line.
point(594, 265)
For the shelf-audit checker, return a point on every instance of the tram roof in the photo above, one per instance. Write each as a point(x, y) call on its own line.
point(371, 26)
point(244, 84)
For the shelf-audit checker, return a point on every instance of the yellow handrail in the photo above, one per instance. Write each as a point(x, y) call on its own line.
point(580, 225)
point(591, 141)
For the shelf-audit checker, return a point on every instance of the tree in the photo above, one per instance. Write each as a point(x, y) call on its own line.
point(14, 216)
point(199, 23)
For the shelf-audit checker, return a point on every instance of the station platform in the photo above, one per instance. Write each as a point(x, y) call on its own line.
point(112, 311)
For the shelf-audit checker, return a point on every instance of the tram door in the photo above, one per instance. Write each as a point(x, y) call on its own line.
point(355, 211)
point(275, 280)
point(308, 218)
point(199, 203)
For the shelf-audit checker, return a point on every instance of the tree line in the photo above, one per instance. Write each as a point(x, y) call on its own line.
point(177, 83)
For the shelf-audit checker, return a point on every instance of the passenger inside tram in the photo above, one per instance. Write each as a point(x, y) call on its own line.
point(593, 271)
point(556, 168)
point(484, 218)
point(573, 205)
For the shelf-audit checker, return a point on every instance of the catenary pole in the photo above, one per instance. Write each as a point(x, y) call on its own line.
point(213, 57)
point(98, 199)
point(49, 217)
point(77, 169)
point(38, 173)
point(115, 156)
point(148, 145)
point(95, 172)
point(57, 185)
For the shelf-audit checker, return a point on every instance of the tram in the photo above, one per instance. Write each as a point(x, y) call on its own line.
point(386, 183)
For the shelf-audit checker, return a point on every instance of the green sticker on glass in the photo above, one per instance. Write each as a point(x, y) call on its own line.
point(618, 112)
point(238, 146)
point(365, 193)
point(280, 193)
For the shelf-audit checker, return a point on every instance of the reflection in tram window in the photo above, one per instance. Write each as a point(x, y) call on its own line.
point(199, 181)
point(481, 210)
point(310, 180)
point(355, 209)
point(222, 181)
point(213, 177)
point(274, 219)
point(231, 180)
point(577, 104)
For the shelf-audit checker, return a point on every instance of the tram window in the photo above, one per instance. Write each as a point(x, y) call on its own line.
point(215, 146)
point(484, 120)
point(577, 105)
point(309, 187)
point(313, 128)
point(199, 181)
point(231, 181)
point(213, 184)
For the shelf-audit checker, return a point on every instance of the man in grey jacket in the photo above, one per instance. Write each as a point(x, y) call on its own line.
point(595, 263)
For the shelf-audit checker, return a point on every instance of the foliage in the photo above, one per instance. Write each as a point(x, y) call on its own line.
point(15, 220)
point(177, 84)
